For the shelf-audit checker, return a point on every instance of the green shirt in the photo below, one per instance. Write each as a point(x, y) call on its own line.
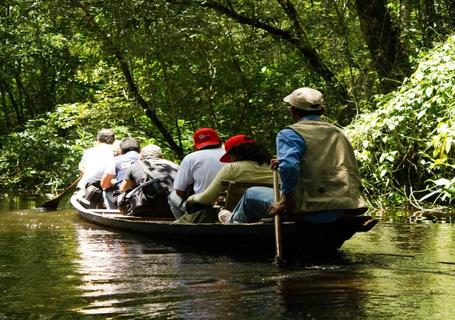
point(239, 171)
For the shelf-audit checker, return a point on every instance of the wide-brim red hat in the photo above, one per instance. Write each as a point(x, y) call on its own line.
point(234, 142)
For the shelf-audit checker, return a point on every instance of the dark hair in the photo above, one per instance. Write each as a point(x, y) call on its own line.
point(129, 144)
point(303, 113)
point(254, 151)
point(106, 136)
point(212, 146)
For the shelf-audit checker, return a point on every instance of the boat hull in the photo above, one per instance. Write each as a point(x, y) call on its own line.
point(297, 237)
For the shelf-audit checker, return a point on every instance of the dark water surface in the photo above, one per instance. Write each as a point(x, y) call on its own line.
point(56, 266)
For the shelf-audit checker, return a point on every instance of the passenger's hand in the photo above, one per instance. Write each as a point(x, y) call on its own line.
point(286, 204)
point(277, 208)
point(220, 201)
point(274, 164)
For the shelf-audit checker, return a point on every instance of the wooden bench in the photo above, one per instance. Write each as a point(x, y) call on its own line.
point(235, 190)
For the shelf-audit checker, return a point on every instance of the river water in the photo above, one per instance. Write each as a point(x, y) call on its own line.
point(53, 265)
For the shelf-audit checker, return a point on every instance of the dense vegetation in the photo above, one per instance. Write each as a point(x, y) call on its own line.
point(157, 70)
point(407, 146)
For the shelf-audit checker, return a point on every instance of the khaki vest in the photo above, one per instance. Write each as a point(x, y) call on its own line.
point(329, 175)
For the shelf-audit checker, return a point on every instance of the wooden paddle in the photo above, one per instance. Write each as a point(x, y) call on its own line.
point(276, 196)
point(52, 204)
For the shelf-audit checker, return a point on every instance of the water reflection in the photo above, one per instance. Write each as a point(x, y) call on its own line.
point(305, 296)
point(11, 202)
point(54, 265)
point(118, 274)
point(412, 270)
point(36, 265)
point(389, 273)
point(14, 202)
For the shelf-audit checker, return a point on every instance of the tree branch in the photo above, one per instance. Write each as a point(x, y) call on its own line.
point(229, 12)
point(305, 47)
point(299, 42)
point(132, 87)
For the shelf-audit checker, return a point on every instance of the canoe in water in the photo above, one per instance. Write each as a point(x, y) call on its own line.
point(297, 237)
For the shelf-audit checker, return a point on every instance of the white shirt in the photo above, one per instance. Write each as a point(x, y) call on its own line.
point(94, 161)
point(199, 168)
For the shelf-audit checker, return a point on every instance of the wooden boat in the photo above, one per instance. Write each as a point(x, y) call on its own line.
point(298, 237)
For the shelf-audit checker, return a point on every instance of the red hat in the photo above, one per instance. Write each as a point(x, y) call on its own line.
point(205, 137)
point(234, 142)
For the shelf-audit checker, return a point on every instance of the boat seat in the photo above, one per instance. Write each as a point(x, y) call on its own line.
point(235, 190)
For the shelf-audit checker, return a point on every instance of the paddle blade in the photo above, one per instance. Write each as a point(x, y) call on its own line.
point(52, 204)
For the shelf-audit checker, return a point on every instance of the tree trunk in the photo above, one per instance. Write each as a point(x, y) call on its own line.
point(383, 41)
point(428, 21)
point(25, 93)
point(450, 5)
point(16, 107)
point(406, 13)
point(5, 107)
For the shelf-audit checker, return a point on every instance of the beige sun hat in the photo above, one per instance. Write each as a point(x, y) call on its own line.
point(305, 99)
point(151, 151)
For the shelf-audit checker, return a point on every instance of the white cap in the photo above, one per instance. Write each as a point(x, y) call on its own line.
point(305, 99)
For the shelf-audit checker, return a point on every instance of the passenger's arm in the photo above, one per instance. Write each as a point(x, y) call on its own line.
point(180, 193)
point(126, 185)
point(183, 178)
point(213, 191)
point(106, 181)
point(290, 149)
point(108, 174)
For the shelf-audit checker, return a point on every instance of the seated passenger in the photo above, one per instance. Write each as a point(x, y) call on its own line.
point(116, 147)
point(152, 166)
point(92, 166)
point(115, 170)
point(95, 157)
point(198, 169)
point(248, 161)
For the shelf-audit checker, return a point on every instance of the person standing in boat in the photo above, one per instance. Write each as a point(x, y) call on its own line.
point(320, 179)
point(198, 169)
point(152, 166)
point(247, 161)
point(115, 170)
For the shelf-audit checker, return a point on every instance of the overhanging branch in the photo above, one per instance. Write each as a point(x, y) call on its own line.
point(132, 87)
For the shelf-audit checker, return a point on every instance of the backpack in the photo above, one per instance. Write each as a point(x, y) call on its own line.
point(142, 200)
point(94, 194)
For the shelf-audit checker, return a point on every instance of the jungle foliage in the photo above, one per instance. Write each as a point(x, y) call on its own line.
point(158, 70)
point(407, 146)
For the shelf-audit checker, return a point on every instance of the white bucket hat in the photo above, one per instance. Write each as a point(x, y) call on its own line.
point(305, 99)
